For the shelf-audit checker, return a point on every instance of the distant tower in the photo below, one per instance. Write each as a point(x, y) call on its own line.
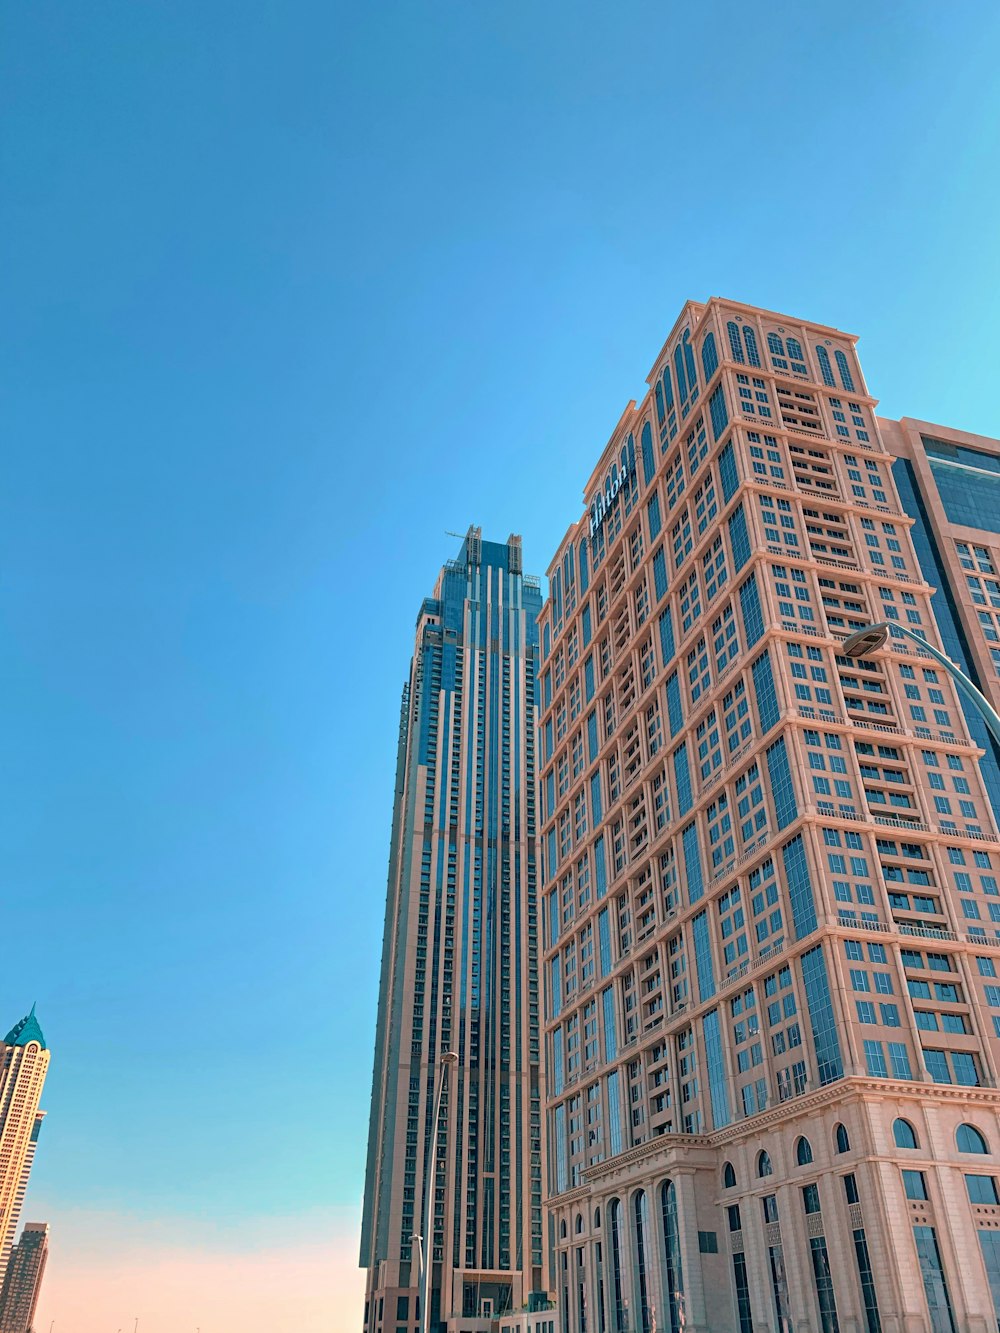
point(24, 1278)
point(459, 964)
point(24, 1062)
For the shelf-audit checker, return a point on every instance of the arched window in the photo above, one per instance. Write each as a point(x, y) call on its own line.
point(597, 1219)
point(709, 357)
point(671, 1256)
point(660, 411)
point(803, 1152)
point(689, 362)
point(579, 1223)
point(904, 1134)
point(969, 1139)
point(750, 338)
point(562, 1229)
point(618, 1296)
point(794, 349)
point(735, 346)
point(640, 1212)
point(846, 378)
point(668, 389)
point(842, 1141)
point(648, 456)
point(774, 345)
point(728, 1176)
point(822, 356)
point(764, 1165)
point(682, 392)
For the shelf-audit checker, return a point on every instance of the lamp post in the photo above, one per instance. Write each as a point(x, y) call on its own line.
point(875, 636)
point(426, 1258)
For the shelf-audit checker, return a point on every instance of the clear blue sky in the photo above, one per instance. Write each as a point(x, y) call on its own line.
point(287, 290)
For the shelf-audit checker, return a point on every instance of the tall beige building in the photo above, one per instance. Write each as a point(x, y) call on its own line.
point(771, 893)
point(24, 1062)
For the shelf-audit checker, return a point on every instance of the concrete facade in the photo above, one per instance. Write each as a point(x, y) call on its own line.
point(770, 898)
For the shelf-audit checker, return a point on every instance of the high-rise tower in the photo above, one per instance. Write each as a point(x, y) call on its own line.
point(460, 965)
point(24, 1061)
point(771, 896)
point(23, 1283)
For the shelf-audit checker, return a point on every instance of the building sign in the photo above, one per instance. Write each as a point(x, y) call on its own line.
point(620, 474)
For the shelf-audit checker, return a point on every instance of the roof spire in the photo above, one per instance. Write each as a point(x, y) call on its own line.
point(28, 1029)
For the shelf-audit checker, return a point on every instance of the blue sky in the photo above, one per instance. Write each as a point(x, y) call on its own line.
point(288, 292)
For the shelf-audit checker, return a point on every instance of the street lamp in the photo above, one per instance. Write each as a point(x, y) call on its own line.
point(430, 1172)
point(874, 636)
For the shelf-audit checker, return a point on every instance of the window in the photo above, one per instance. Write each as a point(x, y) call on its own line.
point(904, 1135)
point(915, 1184)
point(841, 1139)
point(982, 1189)
point(969, 1139)
point(810, 1198)
point(728, 1176)
point(803, 1152)
point(764, 1165)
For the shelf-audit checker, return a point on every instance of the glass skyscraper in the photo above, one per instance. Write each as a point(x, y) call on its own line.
point(771, 872)
point(949, 482)
point(460, 964)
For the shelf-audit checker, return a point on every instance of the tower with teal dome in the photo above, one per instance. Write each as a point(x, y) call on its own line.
point(24, 1062)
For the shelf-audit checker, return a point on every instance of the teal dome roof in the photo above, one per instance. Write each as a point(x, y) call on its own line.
point(27, 1030)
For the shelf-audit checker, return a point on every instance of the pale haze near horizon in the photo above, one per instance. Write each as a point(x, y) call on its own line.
point(289, 292)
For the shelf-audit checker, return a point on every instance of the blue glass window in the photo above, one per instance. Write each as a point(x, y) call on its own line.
point(739, 537)
point(682, 777)
point(604, 941)
point(600, 867)
point(709, 358)
point(718, 412)
point(846, 379)
point(610, 1036)
point(718, 1092)
point(823, 357)
point(675, 715)
point(780, 778)
point(767, 699)
point(750, 338)
point(614, 1114)
point(728, 472)
point(703, 957)
point(682, 392)
point(558, 1067)
point(648, 457)
point(655, 521)
point(750, 610)
point(689, 362)
point(659, 574)
point(800, 890)
point(562, 1168)
point(595, 796)
point(935, 1285)
point(735, 346)
point(667, 637)
point(829, 1064)
point(592, 737)
point(692, 863)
